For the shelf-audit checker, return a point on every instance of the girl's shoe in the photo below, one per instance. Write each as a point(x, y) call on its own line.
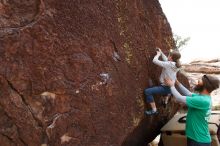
point(151, 112)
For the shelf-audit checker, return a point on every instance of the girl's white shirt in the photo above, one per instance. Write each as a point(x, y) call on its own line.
point(169, 69)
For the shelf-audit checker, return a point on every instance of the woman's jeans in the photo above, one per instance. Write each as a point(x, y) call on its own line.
point(157, 90)
point(191, 142)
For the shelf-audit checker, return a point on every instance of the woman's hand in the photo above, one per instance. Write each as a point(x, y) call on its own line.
point(158, 49)
point(158, 53)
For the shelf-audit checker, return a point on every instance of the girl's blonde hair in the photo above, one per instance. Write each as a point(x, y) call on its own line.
point(175, 55)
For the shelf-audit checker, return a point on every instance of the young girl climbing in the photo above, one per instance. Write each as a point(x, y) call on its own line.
point(170, 67)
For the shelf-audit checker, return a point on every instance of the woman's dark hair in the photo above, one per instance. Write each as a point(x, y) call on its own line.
point(175, 55)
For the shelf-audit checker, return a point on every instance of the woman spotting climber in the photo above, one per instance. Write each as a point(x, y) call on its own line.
point(171, 66)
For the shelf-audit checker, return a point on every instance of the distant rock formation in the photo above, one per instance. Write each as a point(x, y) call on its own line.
point(73, 72)
point(202, 66)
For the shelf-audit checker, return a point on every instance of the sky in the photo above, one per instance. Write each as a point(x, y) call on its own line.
point(199, 20)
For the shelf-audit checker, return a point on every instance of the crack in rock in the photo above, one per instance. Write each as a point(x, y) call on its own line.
point(20, 22)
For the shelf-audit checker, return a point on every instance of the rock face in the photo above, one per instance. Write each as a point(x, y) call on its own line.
point(73, 72)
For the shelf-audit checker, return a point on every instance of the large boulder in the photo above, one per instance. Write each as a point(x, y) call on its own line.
point(73, 72)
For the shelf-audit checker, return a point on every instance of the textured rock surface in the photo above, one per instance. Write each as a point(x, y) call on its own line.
point(73, 72)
